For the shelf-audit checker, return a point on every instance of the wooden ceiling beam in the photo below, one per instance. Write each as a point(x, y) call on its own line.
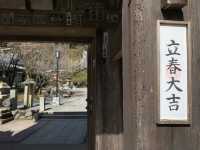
point(28, 4)
point(43, 32)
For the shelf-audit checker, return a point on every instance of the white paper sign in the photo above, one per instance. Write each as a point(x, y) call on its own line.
point(173, 51)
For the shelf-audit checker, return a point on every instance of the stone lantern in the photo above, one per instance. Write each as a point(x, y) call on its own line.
point(5, 112)
point(4, 92)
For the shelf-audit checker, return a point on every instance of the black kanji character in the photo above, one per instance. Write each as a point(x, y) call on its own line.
point(173, 48)
point(173, 66)
point(172, 83)
point(173, 43)
point(174, 103)
point(173, 98)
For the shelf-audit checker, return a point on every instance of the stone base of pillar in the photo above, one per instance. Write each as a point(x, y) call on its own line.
point(42, 104)
point(30, 101)
point(56, 100)
point(26, 96)
point(13, 99)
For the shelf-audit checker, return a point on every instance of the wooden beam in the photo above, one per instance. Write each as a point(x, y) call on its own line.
point(117, 56)
point(45, 31)
point(28, 4)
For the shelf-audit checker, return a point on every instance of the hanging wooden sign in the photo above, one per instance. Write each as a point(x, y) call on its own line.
point(174, 72)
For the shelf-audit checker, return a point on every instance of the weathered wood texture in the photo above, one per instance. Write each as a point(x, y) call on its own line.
point(129, 101)
point(109, 105)
point(9, 4)
point(98, 108)
point(112, 106)
point(116, 42)
point(140, 79)
point(29, 32)
point(53, 4)
point(152, 136)
point(42, 4)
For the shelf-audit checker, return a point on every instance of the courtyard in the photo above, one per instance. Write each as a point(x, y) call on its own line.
point(63, 124)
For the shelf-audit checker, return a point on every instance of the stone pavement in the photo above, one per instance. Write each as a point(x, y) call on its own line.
point(59, 131)
point(76, 103)
point(17, 130)
point(44, 147)
point(45, 131)
point(65, 130)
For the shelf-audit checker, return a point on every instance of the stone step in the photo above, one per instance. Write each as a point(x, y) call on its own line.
point(6, 116)
point(53, 116)
point(4, 110)
point(3, 121)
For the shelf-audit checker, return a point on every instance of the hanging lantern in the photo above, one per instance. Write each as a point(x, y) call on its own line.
point(173, 4)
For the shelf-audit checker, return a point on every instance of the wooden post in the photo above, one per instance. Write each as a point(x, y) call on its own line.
point(133, 72)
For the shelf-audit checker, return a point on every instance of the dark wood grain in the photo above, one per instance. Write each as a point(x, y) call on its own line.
point(144, 79)
point(129, 100)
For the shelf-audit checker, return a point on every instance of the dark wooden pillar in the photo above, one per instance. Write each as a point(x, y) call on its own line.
point(28, 4)
point(129, 89)
point(99, 94)
point(109, 120)
point(140, 78)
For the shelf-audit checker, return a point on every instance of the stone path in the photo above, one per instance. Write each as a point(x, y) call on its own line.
point(59, 131)
point(67, 130)
point(17, 130)
point(45, 131)
point(76, 103)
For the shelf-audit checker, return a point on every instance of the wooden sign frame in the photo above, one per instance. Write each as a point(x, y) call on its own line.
point(189, 80)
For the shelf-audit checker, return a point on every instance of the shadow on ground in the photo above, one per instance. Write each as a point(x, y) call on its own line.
point(56, 128)
point(11, 137)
